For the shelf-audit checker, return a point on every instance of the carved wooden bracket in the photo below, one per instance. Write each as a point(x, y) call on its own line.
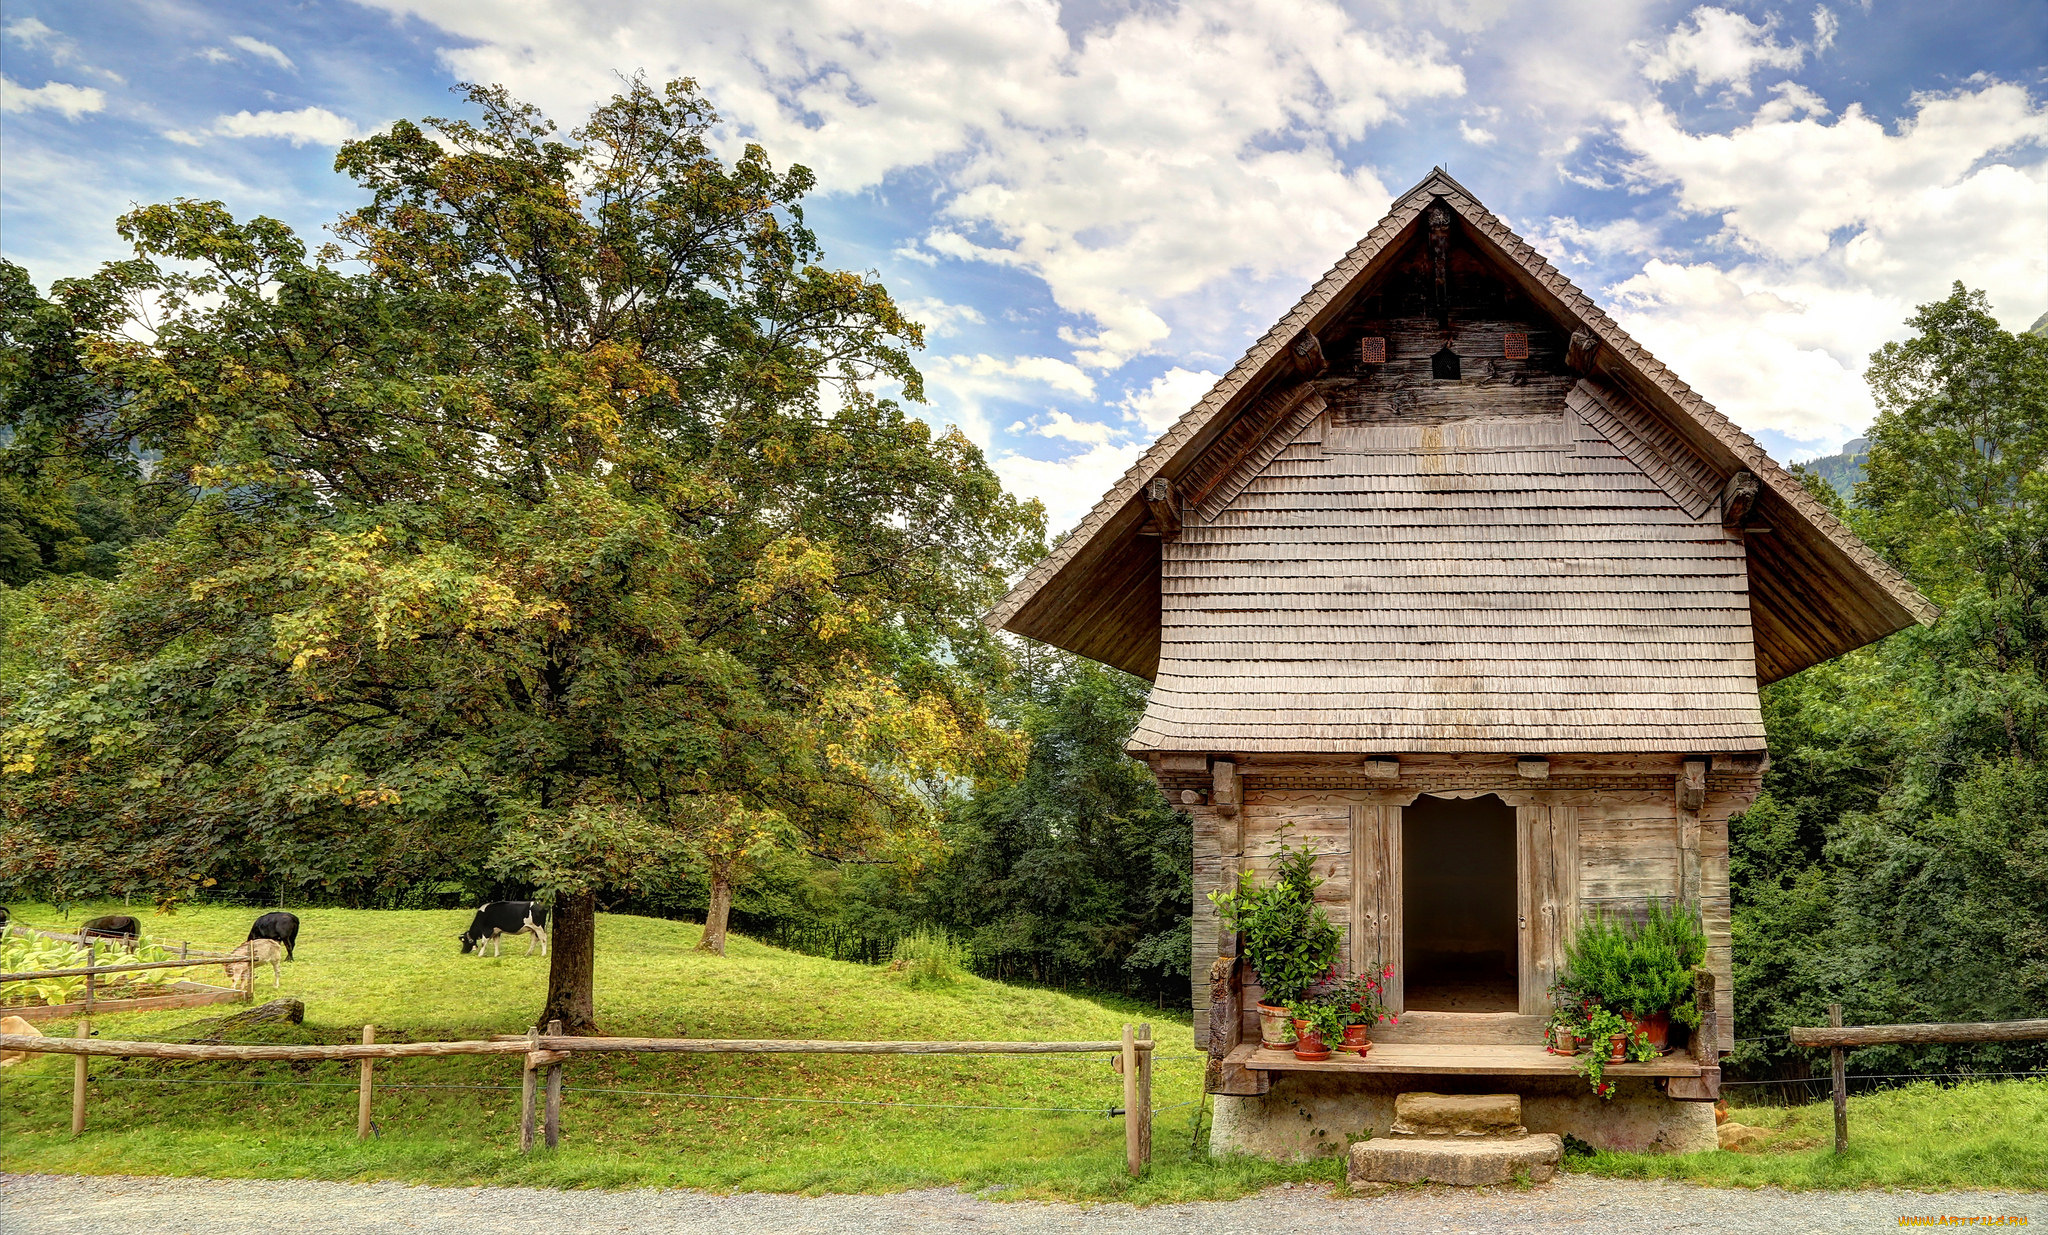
point(1737, 497)
point(1383, 767)
point(1308, 355)
point(1533, 769)
point(1164, 520)
point(1226, 795)
point(1581, 353)
point(1692, 785)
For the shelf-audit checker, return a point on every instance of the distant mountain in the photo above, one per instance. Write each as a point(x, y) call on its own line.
point(2040, 325)
point(1845, 469)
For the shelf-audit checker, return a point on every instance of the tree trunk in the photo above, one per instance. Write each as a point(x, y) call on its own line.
point(719, 910)
point(572, 957)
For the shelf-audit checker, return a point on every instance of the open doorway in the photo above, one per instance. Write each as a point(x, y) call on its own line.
point(1460, 905)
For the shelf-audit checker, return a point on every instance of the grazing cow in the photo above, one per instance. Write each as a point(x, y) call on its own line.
point(283, 927)
point(4, 916)
point(113, 926)
point(497, 919)
point(253, 953)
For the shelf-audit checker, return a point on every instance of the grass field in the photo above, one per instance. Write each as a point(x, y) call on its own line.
point(687, 1121)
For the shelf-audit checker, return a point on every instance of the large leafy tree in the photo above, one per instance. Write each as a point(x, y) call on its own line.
point(1898, 860)
point(547, 519)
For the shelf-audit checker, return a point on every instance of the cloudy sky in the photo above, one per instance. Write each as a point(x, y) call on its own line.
point(1096, 206)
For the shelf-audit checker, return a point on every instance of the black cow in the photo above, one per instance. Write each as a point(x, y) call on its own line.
point(283, 927)
point(4, 916)
point(497, 919)
point(113, 926)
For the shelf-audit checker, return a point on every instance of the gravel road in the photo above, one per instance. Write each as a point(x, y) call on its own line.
point(120, 1205)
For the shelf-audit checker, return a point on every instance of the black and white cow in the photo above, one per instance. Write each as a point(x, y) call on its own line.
point(113, 926)
point(497, 919)
point(283, 927)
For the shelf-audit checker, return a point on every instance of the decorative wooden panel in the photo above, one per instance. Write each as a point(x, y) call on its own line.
point(1376, 896)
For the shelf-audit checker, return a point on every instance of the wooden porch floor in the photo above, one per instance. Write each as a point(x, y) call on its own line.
point(1455, 1059)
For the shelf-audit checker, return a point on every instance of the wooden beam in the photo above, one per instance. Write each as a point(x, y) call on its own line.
point(1917, 1035)
point(1532, 768)
point(1165, 517)
point(1383, 767)
point(1738, 496)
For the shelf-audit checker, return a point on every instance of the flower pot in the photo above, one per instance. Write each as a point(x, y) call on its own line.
point(1563, 1041)
point(1276, 1033)
point(1656, 1027)
point(1355, 1040)
point(1308, 1044)
point(1617, 1048)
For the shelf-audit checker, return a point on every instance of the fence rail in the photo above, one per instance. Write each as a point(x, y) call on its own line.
point(544, 1053)
point(1837, 1038)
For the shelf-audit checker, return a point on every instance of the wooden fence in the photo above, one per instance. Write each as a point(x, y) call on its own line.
point(1838, 1038)
point(544, 1053)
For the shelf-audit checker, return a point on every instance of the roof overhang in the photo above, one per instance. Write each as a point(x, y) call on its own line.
point(1817, 590)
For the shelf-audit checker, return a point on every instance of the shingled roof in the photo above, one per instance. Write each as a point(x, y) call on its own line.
point(1356, 641)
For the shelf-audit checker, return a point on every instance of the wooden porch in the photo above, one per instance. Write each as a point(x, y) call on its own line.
point(1458, 1059)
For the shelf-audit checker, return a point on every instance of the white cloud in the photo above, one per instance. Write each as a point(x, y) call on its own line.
point(307, 125)
point(263, 51)
point(1167, 398)
point(939, 318)
point(1088, 432)
point(1474, 134)
point(1068, 486)
point(1825, 26)
point(1721, 48)
point(68, 100)
point(1128, 166)
point(1567, 239)
point(1839, 227)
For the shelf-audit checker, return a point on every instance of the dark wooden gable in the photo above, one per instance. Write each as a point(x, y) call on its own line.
point(1467, 547)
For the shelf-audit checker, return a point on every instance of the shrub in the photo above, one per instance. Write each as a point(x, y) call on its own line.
point(1288, 940)
point(929, 957)
point(1638, 967)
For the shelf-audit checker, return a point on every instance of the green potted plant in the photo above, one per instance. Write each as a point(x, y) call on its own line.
point(1641, 970)
point(1359, 1007)
point(1316, 1025)
point(1567, 1025)
point(1289, 942)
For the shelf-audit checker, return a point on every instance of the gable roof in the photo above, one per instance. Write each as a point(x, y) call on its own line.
point(1815, 589)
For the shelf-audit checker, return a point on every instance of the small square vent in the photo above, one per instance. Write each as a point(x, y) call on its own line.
point(1515, 345)
point(1372, 350)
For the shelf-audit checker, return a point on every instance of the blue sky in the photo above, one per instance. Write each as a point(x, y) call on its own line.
point(1097, 206)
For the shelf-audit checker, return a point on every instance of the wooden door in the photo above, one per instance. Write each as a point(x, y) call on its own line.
point(1376, 938)
point(1547, 868)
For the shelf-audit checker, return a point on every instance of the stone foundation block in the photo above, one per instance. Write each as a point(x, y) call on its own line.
point(1463, 1162)
point(1460, 1114)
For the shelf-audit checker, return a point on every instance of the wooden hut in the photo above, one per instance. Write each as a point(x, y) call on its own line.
point(1449, 578)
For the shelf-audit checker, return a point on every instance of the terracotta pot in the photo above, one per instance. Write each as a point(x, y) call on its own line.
point(1617, 1048)
point(1657, 1027)
point(1355, 1040)
point(1308, 1044)
point(1563, 1042)
point(1276, 1033)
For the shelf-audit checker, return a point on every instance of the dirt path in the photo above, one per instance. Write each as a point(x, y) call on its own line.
point(120, 1205)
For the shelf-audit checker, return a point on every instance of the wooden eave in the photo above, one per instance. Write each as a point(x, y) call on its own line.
point(1816, 589)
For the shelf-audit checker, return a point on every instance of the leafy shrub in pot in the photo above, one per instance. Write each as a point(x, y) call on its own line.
point(1289, 941)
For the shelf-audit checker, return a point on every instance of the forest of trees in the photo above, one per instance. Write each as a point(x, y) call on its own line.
point(538, 535)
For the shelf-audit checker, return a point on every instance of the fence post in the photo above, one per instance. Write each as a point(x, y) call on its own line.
point(1130, 1062)
point(363, 1088)
point(554, 1123)
point(1839, 1058)
point(526, 1086)
point(78, 1082)
point(1144, 1099)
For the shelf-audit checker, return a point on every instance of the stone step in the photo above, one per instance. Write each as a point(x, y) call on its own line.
point(1464, 1161)
point(1440, 1114)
